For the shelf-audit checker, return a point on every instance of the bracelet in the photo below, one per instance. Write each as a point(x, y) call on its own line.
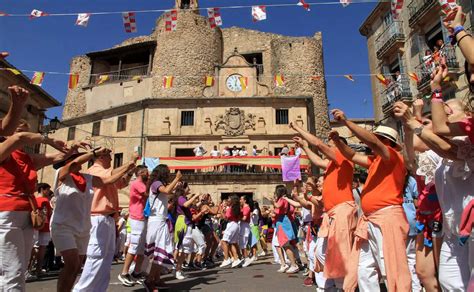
point(437, 94)
point(457, 30)
point(459, 41)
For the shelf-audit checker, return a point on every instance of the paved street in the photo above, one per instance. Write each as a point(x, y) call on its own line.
point(261, 276)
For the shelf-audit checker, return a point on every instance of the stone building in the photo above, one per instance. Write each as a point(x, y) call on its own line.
point(121, 101)
point(38, 102)
point(401, 46)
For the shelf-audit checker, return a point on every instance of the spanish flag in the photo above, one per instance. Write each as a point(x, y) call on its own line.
point(73, 81)
point(414, 77)
point(382, 79)
point(349, 77)
point(37, 78)
point(102, 79)
point(243, 82)
point(279, 80)
point(168, 81)
point(209, 81)
point(14, 71)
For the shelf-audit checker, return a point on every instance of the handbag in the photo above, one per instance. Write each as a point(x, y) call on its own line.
point(38, 218)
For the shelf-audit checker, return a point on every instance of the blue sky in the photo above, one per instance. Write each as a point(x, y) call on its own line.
point(49, 43)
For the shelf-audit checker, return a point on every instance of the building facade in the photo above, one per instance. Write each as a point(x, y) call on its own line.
point(124, 102)
point(410, 45)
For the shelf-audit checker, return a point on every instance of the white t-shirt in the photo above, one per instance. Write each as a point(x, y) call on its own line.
point(215, 153)
point(235, 152)
point(73, 207)
point(225, 152)
point(254, 218)
point(254, 152)
point(158, 202)
point(243, 153)
point(199, 151)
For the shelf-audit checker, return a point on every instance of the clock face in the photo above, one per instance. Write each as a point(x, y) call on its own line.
point(233, 83)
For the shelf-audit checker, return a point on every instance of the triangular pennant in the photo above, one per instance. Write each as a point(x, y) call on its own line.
point(279, 81)
point(37, 13)
point(345, 3)
point(83, 19)
point(243, 82)
point(350, 77)
point(168, 81)
point(383, 80)
point(102, 79)
point(14, 71)
point(303, 4)
point(259, 13)
point(38, 78)
point(209, 81)
point(214, 16)
point(129, 22)
point(414, 77)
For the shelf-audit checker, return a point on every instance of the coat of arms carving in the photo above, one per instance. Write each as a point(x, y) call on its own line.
point(234, 122)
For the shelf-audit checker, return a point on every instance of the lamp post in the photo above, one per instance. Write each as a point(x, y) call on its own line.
point(46, 130)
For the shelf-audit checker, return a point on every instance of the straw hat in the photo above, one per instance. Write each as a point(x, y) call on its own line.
point(388, 133)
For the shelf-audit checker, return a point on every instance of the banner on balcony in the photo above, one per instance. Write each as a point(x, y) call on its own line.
point(208, 162)
point(290, 168)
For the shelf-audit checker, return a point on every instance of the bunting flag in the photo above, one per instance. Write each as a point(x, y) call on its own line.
point(129, 22)
point(209, 81)
point(349, 77)
point(37, 13)
point(73, 81)
point(137, 77)
point(37, 78)
point(259, 13)
point(14, 71)
point(214, 16)
point(304, 5)
point(279, 81)
point(168, 81)
point(171, 20)
point(243, 82)
point(396, 8)
point(102, 79)
point(383, 80)
point(414, 77)
point(4, 13)
point(83, 19)
point(447, 5)
point(345, 3)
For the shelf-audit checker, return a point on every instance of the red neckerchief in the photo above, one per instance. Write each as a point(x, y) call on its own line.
point(79, 180)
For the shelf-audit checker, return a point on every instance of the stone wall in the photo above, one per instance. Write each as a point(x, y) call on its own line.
point(189, 53)
point(75, 104)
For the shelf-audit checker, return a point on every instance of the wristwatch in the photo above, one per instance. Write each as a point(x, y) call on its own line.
point(419, 130)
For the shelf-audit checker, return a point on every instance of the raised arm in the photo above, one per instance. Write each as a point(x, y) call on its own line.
point(456, 18)
point(365, 136)
point(170, 187)
point(293, 203)
point(100, 181)
point(18, 98)
point(315, 141)
point(190, 202)
point(315, 159)
point(75, 165)
point(348, 152)
point(43, 160)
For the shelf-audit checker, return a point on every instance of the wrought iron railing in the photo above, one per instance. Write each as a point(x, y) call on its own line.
point(428, 64)
point(398, 89)
point(418, 8)
point(123, 74)
point(392, 34)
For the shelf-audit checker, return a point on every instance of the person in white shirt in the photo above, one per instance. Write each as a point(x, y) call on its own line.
point(254, 150)
point(199, 151)
point(298, 150)
point(235, 151)
point(226, 153)
point(215, 153)
point(243, 152)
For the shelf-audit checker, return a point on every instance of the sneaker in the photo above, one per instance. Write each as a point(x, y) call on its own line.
point(254, 258)
point(180, 275)
point(237, 263)
point(200, 266)
point(30, 277)
point(126, 280)
point(262, 253)
point(226, 263)
point(308, 282)
point(292, 270)
point(138, 278)
point(247, 262)
point(283, 269)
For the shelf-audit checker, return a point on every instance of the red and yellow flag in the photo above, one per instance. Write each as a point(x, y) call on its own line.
point(73, 81)
point(168, 81)
point(382, 79)
point(414, 77)
point(14, 71)
point(243, 82)
point(209, 81)
point(349, 77)
point(37, 78)
point(102, 79)
point(279, 80)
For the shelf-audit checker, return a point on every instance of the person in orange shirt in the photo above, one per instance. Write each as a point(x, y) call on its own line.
point(379, 249)
point(104, 211)
point(336, 233)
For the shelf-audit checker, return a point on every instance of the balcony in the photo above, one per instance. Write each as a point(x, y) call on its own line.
point(120, 75)
point(391, 38)
point(420, 10)
point(425, 69)
point(396, 91)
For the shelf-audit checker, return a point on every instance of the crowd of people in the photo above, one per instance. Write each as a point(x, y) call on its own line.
point(406, 224)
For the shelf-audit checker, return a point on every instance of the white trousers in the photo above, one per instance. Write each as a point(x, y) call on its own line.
point(411, 257)
point(193, 241)
point(454, 266)
point(321, 281)
point(95, 276)
point(371, 261)
point(16, 242)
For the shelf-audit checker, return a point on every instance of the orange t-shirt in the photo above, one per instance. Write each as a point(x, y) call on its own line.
point(105, 201)
point(337, 186)
point(385, 181)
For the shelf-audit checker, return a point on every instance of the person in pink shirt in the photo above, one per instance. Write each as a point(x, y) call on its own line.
point(245, 229)
point(230, 239)
point(137, 221)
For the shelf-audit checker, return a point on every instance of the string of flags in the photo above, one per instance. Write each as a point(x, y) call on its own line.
point(171, 20)
point(214, 16)
point(129, 22)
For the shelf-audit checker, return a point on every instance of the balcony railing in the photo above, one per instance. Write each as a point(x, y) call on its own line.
point(425, 69)
point(418, 9)
point(122, 75)
point(396, 91)
point(392, 35)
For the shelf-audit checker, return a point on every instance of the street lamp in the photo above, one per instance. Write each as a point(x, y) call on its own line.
point(54, 124)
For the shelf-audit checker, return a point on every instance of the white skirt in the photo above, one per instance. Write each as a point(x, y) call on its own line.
point(159, 242)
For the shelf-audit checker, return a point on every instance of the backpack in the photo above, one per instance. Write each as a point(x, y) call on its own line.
point(147, 209)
